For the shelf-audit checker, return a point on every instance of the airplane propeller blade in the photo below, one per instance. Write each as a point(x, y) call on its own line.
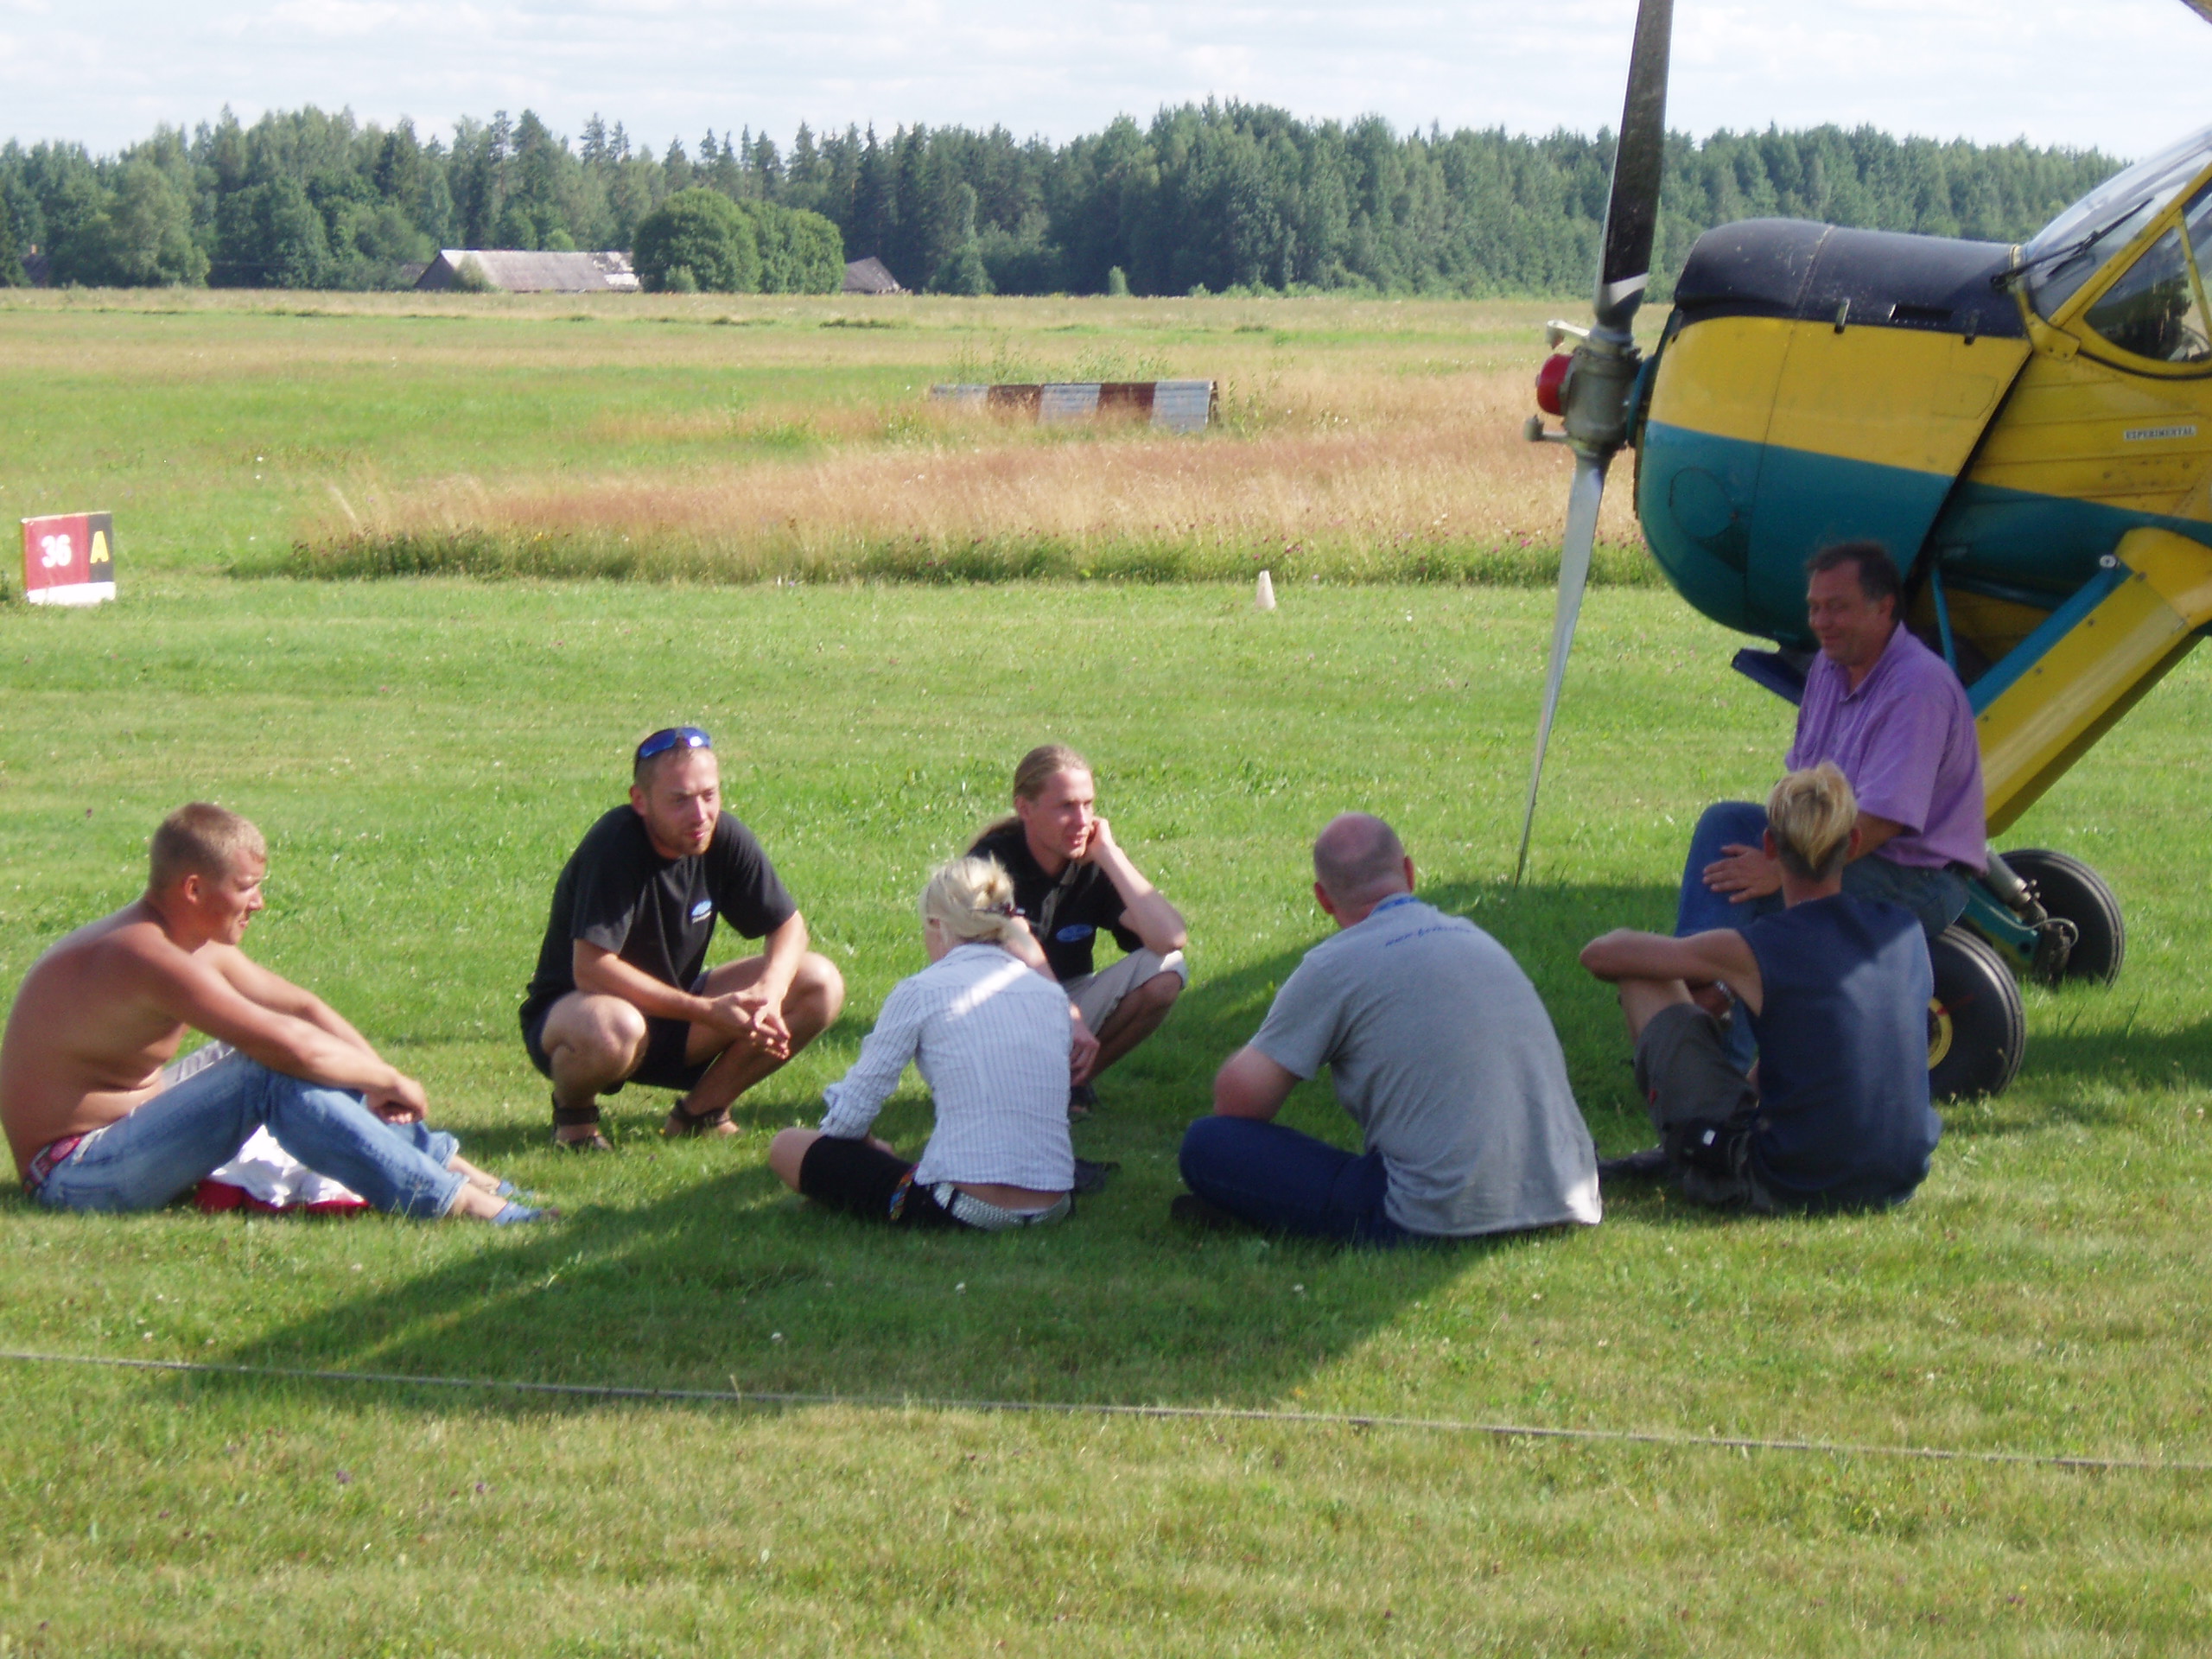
point(1632, 208)
point(1583, 497)
point(1595, 390)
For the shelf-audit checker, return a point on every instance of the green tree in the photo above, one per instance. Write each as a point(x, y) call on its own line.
point(72, 209)
point(800, 252)
point(1225, 194)
point(143, 237)
point(269, 235)
point(962, 271)
point(11, 251)
point(705, 233)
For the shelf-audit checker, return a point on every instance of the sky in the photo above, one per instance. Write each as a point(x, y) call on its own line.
point(2123, 76)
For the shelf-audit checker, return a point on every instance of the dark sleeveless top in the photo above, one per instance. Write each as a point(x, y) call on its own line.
point(1842, 1029)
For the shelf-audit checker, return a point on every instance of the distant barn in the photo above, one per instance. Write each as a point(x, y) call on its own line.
point(514, 272)
point(870, 275)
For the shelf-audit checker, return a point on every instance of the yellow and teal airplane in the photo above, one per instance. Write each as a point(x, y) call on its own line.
point(2028, 430)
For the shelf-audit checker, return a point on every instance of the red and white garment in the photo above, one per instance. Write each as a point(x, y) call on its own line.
point(265, 1178)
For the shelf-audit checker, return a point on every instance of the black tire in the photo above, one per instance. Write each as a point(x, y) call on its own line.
point(1977, 1029)
point(2068, 888)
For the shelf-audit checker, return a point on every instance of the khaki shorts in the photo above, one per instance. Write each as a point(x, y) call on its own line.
point(1097, 995)
point(1702, 1105)
point(1685, 1074)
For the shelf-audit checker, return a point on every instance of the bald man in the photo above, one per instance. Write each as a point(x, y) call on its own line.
point(1438, 1047)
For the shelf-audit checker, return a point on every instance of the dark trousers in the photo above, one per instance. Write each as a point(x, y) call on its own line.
point(1286, 1182)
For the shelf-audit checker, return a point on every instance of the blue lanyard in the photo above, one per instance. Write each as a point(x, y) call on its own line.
point(1392, 903)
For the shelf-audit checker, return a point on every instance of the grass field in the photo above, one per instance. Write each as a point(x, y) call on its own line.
point(735, 437)
point(422, 754)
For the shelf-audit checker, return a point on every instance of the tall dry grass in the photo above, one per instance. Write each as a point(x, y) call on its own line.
point(1356, 439)
point(1348, 475)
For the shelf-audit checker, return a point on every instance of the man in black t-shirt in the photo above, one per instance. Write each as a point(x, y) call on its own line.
point(1069, 880)
point(618, 995)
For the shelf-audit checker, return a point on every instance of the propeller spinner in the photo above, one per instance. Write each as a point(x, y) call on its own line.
point(1591, 394)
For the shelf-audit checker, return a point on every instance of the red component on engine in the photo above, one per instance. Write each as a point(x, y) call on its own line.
point(1549, 380)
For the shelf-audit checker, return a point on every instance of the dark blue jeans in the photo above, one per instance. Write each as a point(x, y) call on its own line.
point(1286, 1182)
point(1936, 897)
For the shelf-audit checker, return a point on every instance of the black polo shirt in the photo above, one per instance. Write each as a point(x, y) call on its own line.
point(1067, 926)
point(658, 914)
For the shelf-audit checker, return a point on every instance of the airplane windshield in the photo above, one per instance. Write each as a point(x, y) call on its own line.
point(2074, 247)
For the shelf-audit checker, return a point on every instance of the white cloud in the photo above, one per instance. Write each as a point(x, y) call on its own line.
point(2123, 75)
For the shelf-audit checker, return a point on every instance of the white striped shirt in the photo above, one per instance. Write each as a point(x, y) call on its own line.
point(990, 1036)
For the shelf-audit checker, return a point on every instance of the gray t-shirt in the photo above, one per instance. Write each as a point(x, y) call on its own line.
point(1440, 1049)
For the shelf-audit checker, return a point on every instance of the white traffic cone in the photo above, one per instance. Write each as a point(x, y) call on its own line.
point(1263, 594)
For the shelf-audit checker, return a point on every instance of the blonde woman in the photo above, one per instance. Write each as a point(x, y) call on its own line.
point(990, 1036)
point(1836, 988)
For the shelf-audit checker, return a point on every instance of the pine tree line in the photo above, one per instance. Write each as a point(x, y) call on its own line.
point(1213, 197)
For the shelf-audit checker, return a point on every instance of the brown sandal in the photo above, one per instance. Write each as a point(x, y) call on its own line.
point(569, 1117)
point(683, 1124)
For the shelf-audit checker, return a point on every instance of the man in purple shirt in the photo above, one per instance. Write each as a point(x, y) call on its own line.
point(1894, 718)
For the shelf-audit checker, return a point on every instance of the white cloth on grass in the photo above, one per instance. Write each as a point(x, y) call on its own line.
point(261, 1167)
point(271, 1174)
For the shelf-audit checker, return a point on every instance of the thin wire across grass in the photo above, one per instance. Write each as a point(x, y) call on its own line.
point(785, 1400)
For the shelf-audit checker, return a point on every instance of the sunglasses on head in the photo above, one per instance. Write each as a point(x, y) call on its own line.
point(674, 737)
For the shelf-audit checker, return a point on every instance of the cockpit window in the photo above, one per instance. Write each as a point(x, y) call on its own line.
point(2197, 226)
point(2079, 243)
point(2155, 310)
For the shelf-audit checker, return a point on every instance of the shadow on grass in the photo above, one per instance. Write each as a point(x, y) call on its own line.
point(2093, 1078)
point(661, 1278)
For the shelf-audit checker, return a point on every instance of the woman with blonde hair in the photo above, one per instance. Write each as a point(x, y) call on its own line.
point(990, 1037)
point(1836, 988)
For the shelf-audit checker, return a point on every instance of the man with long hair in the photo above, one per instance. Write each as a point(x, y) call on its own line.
point(1071, 880)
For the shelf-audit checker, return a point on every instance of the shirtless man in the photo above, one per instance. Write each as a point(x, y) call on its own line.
point(96, 1123)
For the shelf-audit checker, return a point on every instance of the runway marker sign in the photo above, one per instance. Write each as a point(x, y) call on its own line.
point(69, 558)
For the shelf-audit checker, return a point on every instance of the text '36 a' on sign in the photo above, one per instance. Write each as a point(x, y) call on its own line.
point(69, 558)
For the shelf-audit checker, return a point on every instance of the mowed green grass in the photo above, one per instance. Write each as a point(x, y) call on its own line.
point(423, 755)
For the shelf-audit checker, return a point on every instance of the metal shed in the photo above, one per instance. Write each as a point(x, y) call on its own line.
point(513, 271)
point(870, 275)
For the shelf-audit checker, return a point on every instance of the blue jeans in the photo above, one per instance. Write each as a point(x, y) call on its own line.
point(1290, 1182)
point(1936, 897)
point(170, 1144)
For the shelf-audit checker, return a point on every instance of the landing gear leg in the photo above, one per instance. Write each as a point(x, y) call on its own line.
point(2069, 891)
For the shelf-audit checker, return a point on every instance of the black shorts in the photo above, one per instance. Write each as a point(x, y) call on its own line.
point(865, 1181)
point(663, 1067)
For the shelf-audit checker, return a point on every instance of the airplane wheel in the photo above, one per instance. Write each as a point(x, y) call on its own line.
point(2070, 889)
point(1976, 1027)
